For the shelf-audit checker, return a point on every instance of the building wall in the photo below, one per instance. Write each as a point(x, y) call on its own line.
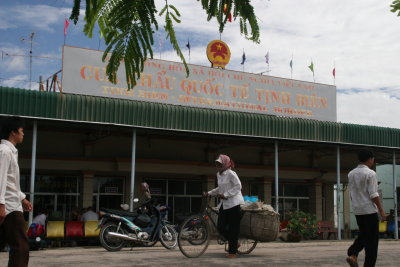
point(92, 152)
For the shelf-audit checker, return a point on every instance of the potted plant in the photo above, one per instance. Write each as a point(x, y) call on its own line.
point(301, 225)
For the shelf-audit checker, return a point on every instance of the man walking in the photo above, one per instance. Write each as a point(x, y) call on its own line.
point(12, 200)
point(363, 187)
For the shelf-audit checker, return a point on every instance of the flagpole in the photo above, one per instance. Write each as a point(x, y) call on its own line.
point(334, 76)
point(65, 30)
point(159, 44)
point(189, 49)
point(313, 74)
point(291, 68)
point(244, 61)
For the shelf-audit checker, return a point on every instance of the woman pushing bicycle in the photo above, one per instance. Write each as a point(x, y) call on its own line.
point(230, 195)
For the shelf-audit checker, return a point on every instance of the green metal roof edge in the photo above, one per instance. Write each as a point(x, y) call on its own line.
point(50, 105)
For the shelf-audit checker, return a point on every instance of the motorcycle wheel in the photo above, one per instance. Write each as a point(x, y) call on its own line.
point(111, 243)
point(168, 236)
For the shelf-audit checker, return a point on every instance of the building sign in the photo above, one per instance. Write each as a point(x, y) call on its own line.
point(218, 54)
point(166, 82)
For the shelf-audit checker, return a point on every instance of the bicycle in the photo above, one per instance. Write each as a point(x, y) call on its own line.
point(195, 233)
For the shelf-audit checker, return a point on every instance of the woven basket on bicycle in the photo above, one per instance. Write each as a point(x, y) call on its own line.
point(259, 225)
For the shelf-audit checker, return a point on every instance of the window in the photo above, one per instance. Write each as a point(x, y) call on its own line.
point(58, 194)
point(183, 197)
point(292, 197)
point(108, 192)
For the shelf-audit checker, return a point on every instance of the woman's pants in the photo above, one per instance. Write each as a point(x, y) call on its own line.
point(229, 226)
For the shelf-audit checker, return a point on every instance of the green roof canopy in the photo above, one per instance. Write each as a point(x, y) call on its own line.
point(58, 106)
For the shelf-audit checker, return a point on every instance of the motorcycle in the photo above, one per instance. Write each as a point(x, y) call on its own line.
point(144, 226)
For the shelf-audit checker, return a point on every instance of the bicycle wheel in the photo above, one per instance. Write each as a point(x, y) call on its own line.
point(193, 238)
point(246, 245)
point(150, 244)
point(168, 236)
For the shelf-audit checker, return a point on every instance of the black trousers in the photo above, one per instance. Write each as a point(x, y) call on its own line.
point(368, 238)
point(12, 232)
point(229, 226)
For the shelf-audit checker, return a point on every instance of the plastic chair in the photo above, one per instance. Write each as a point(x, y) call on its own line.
point(74, 229)
point(91, 229)
point(55, 229)
point(383, 227)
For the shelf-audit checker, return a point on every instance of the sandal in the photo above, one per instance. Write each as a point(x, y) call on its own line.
point(230, 256)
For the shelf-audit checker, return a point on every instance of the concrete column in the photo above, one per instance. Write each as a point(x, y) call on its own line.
point(346, 211)
point(133, 164)
point(329, 205)
point(276, 176)
point(267, 188)
point(87, 189)
point(318, 200)
point(396, 223)
point(338, 200)
point(33, 171)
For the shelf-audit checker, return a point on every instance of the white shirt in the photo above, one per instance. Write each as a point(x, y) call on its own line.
point(40, 219)
point(363, 186)
point(10, 191)
point(229, 185)
point(90, 216)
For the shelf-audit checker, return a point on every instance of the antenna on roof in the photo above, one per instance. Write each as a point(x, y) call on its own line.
point(30, 56)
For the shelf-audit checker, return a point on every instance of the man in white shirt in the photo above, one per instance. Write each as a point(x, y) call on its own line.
point(12, 200)
point(89, 215)
point(363, 187)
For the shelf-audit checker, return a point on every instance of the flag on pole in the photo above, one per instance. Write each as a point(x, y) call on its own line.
point(66, 24)
point(267, 58)
point(291, 63)
point(188, 46)
point(243, 58)
point(334, 72)
point(311, 67)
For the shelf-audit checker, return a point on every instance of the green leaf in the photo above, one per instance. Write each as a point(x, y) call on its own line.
point(175, 18)
point(163, 10)
point(176, 10)
point(129, 26)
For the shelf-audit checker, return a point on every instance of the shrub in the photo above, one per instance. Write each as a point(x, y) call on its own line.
point(304, 224)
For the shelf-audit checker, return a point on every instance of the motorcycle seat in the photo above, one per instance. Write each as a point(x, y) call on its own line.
point(121, 212)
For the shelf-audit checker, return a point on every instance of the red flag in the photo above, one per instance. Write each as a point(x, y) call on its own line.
point(334, 72)
point(66, 24)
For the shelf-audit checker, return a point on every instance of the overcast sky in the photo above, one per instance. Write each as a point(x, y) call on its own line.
point(361, 37)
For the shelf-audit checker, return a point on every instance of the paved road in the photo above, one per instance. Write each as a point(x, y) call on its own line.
point(306, 253)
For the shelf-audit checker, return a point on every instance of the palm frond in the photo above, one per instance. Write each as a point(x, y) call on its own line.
point(128, 27)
